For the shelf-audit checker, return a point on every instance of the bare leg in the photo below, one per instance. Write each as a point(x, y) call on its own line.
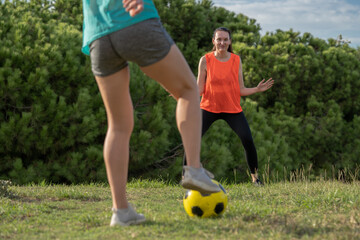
point(254, 177)
point(116, 97)
point(175, 75)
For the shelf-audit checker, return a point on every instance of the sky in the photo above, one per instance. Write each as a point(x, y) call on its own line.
point(322, 18)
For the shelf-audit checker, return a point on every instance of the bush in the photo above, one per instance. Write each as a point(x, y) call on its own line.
point(51, 111)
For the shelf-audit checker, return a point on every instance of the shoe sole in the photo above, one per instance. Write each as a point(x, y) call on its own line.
point(132, 222)
point(192, 186)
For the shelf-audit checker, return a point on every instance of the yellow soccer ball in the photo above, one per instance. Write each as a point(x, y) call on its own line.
point(205, 205)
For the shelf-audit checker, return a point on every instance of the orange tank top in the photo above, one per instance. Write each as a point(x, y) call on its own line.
point(222, 89)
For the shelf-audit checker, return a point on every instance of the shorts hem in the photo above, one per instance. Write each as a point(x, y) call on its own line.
point(157, 59)
point(99, 74)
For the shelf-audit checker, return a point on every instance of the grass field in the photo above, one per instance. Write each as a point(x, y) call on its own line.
point(286, 210)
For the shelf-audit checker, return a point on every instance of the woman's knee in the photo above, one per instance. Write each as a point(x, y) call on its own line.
point(187, 89)
point(124, 127)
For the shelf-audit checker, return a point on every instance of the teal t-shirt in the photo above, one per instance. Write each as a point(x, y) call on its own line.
point(102, 17)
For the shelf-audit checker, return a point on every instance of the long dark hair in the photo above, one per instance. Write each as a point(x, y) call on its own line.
point(224, 29)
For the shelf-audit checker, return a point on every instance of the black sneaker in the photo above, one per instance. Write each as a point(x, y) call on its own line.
point(258, 183)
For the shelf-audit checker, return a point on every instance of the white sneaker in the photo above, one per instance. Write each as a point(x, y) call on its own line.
point(197, 179)
point(210, 174)
point(126, 217)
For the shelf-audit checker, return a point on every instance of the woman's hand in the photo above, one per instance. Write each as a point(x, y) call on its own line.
point(263, 86)
point(134, 7)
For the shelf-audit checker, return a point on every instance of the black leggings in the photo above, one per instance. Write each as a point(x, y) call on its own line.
point(240, 126)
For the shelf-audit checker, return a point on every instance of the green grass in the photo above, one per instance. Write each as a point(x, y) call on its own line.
point(287, 210)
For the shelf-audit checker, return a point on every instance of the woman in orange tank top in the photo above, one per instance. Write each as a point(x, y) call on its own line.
point(221, 85)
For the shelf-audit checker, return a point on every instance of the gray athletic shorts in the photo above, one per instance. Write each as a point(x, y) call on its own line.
point(144, 43)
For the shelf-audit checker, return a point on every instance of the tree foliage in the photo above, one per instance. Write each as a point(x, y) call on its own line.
point(53, 123)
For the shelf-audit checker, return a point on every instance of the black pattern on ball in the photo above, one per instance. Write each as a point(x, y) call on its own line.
point(197, 211)
point(219, 208)
point(205, 194)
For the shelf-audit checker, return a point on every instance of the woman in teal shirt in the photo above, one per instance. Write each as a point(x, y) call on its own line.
point(114, 33)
